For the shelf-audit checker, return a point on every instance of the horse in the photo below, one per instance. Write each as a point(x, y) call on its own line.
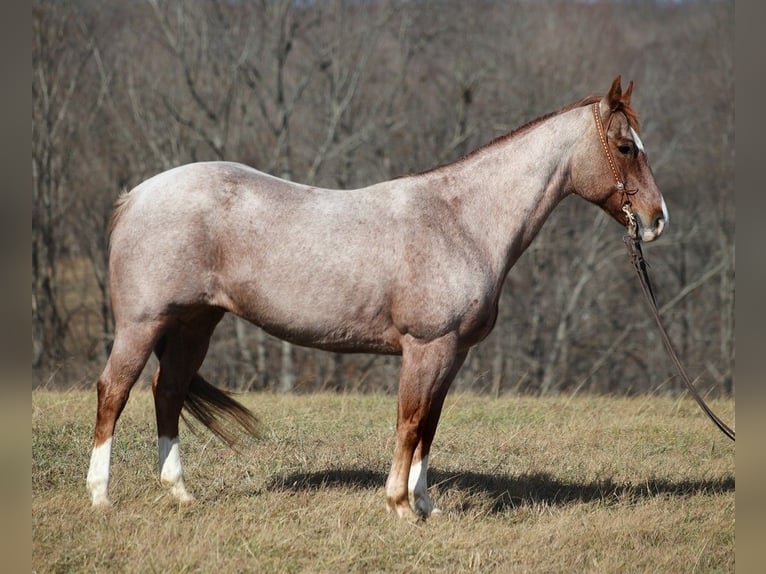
point(412, 266)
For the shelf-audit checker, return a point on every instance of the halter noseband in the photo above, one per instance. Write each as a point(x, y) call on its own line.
point(619, 182)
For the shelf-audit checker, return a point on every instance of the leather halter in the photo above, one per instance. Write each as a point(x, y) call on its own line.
point(620, 185)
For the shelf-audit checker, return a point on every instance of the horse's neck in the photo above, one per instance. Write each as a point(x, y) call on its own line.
point(508, 189)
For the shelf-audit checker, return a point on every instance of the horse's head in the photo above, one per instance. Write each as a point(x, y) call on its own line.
point(609, 165)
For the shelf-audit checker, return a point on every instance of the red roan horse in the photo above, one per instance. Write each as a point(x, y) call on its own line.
point(412, 266)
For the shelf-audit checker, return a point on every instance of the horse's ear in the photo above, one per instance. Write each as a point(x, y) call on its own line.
point(614, 97)
point(627, 93)
point(611, 101)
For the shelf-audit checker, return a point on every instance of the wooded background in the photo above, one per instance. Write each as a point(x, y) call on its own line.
point(349, 93)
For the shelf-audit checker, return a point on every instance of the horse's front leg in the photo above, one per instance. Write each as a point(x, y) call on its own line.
point(427, 371)
point(418, 478)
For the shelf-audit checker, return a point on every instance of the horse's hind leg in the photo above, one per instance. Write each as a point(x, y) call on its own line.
point(132, 345)
point(180, 352)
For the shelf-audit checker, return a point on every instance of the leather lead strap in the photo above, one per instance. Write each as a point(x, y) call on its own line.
point(639, 264)
point(633, 242)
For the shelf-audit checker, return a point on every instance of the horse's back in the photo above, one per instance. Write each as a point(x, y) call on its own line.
point(227, 235)
point(205, 185)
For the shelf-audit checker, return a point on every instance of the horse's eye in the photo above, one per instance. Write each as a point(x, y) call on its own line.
point(624, 149)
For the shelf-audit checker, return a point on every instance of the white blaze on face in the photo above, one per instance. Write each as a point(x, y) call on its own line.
point(637, 140)
point(98, 473)
point(651, 234)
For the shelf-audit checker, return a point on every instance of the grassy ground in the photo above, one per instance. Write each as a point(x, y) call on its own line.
point(590, 484)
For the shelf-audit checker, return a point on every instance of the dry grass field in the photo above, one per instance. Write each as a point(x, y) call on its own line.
point(588, 484)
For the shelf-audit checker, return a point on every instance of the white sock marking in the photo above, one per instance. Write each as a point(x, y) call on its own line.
point(169, 459)
point(417, 485)
point(98, 473)
point(171, 471)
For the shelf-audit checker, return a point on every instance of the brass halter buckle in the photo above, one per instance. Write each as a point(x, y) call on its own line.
point(631, 223)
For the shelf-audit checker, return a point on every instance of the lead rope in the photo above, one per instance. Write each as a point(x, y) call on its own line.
point(633, 243)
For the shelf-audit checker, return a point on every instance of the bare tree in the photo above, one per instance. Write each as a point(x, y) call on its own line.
point(57, 69)
point(345, 94)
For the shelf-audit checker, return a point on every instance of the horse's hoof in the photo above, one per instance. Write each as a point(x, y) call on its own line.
point(102, 503)
point(185, 499)
point(181, 495)
point(404, 512)
point(425, 507)
point(409, 515)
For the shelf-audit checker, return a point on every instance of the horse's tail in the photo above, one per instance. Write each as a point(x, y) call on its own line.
point(210, 406)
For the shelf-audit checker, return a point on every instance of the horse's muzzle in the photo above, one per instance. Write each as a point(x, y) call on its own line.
point(651, 234)
point(658, 225)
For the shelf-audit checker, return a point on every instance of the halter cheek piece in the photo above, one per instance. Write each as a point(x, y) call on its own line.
point(619, 182)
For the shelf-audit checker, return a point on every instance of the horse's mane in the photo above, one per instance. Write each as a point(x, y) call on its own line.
point(625, 108)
